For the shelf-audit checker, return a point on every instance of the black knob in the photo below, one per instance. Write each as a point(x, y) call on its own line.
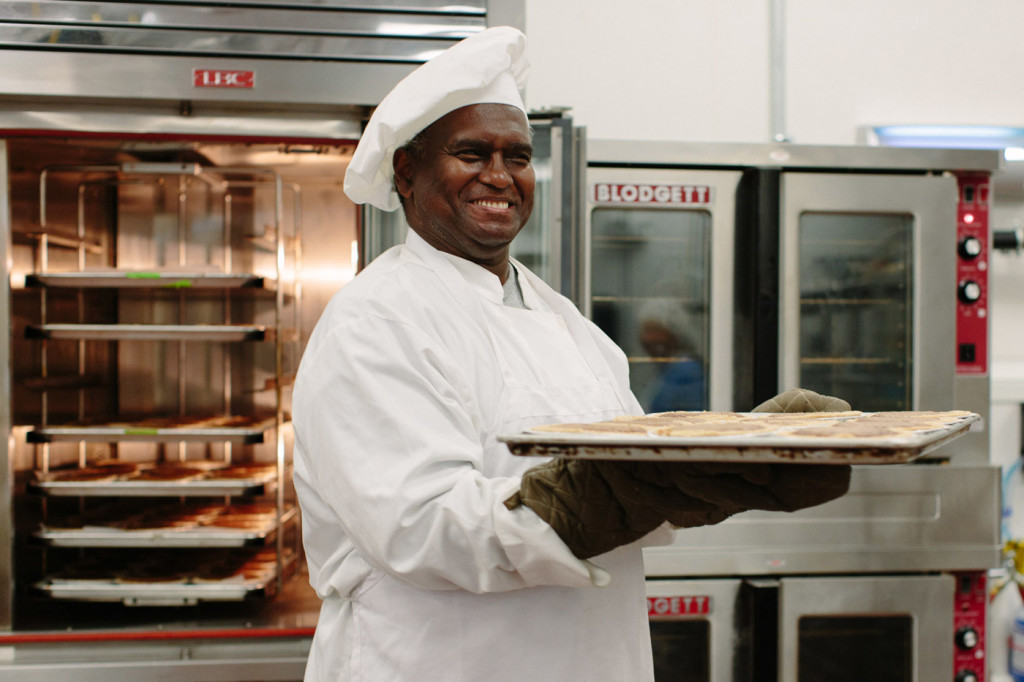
point(969, 247)
point(969, 291)
point(966, 676)
point(966, 638)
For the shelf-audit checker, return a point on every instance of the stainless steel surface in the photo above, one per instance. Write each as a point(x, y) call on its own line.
point(926, 600)
point(7, 440)
point(351, 19)
point(145, 280)
point(152, 332)
point(774, 447)
point(139, 594)
point(785, 156)
point(253, 433)
point(299, 56)
point(129, 488)
point(324, 32)
point(777, 70)
point(931, 203)
point(914, 517)
point(275, 119)
point(237, 44)
point(975, 448)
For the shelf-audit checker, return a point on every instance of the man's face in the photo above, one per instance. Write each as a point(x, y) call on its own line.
point(469, 190)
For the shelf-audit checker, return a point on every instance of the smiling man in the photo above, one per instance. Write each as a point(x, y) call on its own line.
point(438, 555)
point(467, 183)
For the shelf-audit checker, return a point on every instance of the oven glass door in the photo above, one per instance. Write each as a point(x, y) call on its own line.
point(868, 289)
point(850, 629)
point(694, 632)
point(658, 279)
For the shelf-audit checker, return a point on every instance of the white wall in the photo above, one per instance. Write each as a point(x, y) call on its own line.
point(699, 71)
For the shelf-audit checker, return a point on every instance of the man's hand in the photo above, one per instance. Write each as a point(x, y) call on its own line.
point(803, 400)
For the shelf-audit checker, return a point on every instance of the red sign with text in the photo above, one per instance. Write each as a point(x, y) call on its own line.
point(222, 78)
point(689, 605)
point(668, 195)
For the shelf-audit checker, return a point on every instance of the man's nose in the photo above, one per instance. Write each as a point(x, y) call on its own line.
point(495, 173)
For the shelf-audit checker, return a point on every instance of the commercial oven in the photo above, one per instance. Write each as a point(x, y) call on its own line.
point(173, 222)
point(729, 273)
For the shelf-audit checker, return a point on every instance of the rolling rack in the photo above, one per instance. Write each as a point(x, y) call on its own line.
point(153, 506)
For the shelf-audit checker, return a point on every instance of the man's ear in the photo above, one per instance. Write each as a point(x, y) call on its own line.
point(402, 163)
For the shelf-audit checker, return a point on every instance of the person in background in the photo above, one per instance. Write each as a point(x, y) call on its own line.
point(437, 554)
point(665, 336)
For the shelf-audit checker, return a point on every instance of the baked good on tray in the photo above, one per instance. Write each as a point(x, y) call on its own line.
point(847, 424)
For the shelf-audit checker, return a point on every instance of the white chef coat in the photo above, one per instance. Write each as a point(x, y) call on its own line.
point(412, 371)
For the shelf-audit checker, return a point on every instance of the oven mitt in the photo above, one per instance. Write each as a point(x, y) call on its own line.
point(595, 506)
point(803, 400)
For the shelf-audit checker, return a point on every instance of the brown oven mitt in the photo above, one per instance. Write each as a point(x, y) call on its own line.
point(595, 506)
point(802, 400)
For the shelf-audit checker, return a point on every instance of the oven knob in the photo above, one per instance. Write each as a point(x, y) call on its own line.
point(966, 676)
point(966, 638)
point(969, 291)
point(969, 247)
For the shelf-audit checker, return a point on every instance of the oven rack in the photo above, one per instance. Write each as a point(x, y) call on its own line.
point(200, 485)
point(199, 431)
point(148, 332)
point(146, 279)
point(172, 592)
point(203, 536)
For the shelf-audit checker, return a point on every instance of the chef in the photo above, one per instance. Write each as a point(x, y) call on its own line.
point(437, 554)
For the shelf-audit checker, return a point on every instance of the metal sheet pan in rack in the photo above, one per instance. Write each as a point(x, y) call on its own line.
point(106, 433)
point(129, 488)
point(158, 593)
point(121, 279)
point(766, 447)
point(148, 332)
point(205, 536)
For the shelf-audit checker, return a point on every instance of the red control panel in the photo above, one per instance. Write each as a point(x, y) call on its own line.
point(969, 642)
point(973, 246)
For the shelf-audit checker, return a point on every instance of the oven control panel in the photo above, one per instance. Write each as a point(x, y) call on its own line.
point(972, 260)
point(969, 626)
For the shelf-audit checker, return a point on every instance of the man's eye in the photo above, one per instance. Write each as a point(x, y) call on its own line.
point(469, 155)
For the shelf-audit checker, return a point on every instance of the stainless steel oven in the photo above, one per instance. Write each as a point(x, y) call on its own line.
point(729, 273)
point(887, 628)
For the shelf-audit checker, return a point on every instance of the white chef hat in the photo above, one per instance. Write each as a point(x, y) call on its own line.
point(486, 68)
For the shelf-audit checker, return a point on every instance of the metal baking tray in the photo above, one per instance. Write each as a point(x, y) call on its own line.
point(765, 447)
point(155, 594)
point(202, 536)
point(172, 592)
point(105, 433)
point(148, 332)
point(181, 593)
point(127, 487)
point(124, 279)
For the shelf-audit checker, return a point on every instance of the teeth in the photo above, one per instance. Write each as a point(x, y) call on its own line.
point(492, 204)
